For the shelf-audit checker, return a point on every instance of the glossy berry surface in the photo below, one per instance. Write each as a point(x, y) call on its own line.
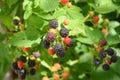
point(102, 54)
point(53, 24)
point(110, 51)
point(46, 44)
point(22, 58)
point(66, 40)
point(31, 63)
point(103, 42)
point(32, 71)
point(96, 19)
point(114, 59)
point(16, 22)
point(64, 32)
point(20, 64)
point(71, 43)
point(106, 67)
point(51, 51)
point(58, 48)
point(64, 1)
point(50, 37)
point(15, 65)
point(97, 62)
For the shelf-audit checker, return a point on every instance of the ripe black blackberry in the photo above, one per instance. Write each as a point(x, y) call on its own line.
point(32, 71)
point(53, 24)
point(50, 37)
point(59, 50)
point(102, 54)
point(46, 44)
point(22, 58)
point(106, 67)
point(31, 63)
point(97, 62)
point(110, 51)
point(15, 65)
point(114, 59)
point(16, 22)
point(71, 43)
point(64, 32)
point(22, 73)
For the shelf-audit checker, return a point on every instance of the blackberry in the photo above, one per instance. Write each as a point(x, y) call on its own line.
point(53, 24)
point(106, 67)
point(46, 44)
point(22, 58)
point(71, 43)
point(50, 37)
point(102, 54)
point(22, 73)
point(31, 63)
point(16, 22)
point(64, 32)
point(103, 42)
point(15, 65)
point(114, 59)
point(60, 52)
point(110, 51)
point(97, 62)
point(32, 71)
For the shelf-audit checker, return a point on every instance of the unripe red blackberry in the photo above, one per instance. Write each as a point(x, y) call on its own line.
point(46, 44)
point(64, 1)
point(96, 19)
point(53, 24)
point(71, 43)
point(103, 42)
point(60, 52)
point(64, 32)
point(51, 51)
point(106, 67)
point(66, 40)
point(20, 64)
point(31, 63)
point(32, 71)
point(50, 37)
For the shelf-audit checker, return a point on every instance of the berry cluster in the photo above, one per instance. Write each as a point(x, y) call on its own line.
point(23, 65)
point(107, 57)
point(56, 40)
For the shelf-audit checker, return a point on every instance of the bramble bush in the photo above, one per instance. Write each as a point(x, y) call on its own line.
point(59, 39)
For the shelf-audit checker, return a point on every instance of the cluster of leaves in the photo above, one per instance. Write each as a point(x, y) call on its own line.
point(35, 15)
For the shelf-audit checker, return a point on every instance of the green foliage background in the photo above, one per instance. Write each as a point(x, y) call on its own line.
point(35, 14)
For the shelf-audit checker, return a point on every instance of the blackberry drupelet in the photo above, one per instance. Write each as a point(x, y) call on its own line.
point(106, 67)
point(110, 51)
point(22, 58)
point(46, 44)
point(114, 59)
point(102, 54)
point(59, 50)
point(71, 43)
point(15, 65)
point(97, 62)
point(53, 24)
point(50, 37)
point(31, 63)
point(32, 71)
point(64, 32)
point(16, 22)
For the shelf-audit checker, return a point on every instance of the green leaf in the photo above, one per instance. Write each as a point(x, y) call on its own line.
point(76, 27)
point(20, 40)
point(74, 13)
point(102, 6)
point(3, 49)
point(49, 5)
point(114, 39)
